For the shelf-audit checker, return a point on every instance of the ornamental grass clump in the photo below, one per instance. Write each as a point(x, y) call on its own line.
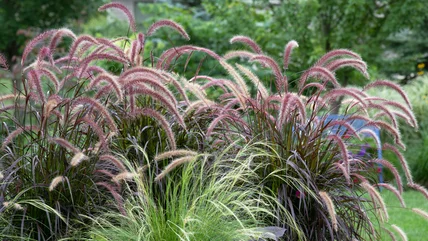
point(71, 112)
point(313, 148)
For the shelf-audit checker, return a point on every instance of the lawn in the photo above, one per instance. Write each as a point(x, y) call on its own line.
point(415, 226)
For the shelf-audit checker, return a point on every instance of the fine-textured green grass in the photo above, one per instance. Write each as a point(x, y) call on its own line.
point(415, 226)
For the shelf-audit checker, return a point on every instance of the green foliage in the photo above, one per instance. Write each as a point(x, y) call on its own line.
point(209, 198)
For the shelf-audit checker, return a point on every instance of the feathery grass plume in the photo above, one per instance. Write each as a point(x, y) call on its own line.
point(1, 175)
point(391, 85)
point(330, 208)
point(164, 101)
point(344, 171)
point(343, 124)
point(124, 176)
point(335, 54)
point(369, 131)
point(51, 76)
point(376, 199)
point(111, 45)
point(281, 81)
point(393, 190)
point(43, 53)
point(162, 121)
point(354, 63)
point(402, 160)
point(171, 166)
point(239, 80)
point(64, 143)
point(319, 86)
point(318, 71)
point(220, 118)
point(284, 108)
point(78, 158)
point(109, 79)
point(386, 111)
point(3, 62)
point(114, 160)
point(256, 81)
point(175, 153)
point(419, 188)
point(167, 23)
point(99, 56)
point(343, 149)
point(95, 104)
point(17, 132)
point(116, 196)
point(58, 36)
point(420, 212)
point(131, 83)
point(96, 128)
point(400, 232)
point(213, 82)
point(247, 41)
point(30, 46)
point(34, 78)
point(406, 110)
point(57, 180)
point(122, 8)
point(78, 41)
point(14, 205)
point(287, 52)
point(168, 56)
point(238, 53)
point(394, 171)
point(390, 233)
point(11, 97)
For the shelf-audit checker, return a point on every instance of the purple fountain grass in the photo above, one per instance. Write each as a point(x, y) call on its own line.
point(162, 121)
point(99, 107)
point(122, 8)
point(386, 126)
point(221, 118)
point(243, 92)
point(393, 190)
point(167, 23)
point(16, 133)
point(328, 202)
point(280, 80)
point(248, 42)
point(318, 71)
point(343, 124)
point(385, 83)
point(175, 153)
point(144, 82)
point(51, 76)
point(372, 134)
point(335, 93)
point(112, 159)
point(335, 54)
point(164, 101)
point(145, 72)
point(421, 212)
point(111, 45)
point(238, 53)
point(287, 52)
point(354, 63)
point(124, 176)
point(402, 160)
point(32, 44)
point(344, 172)
point(376, 199)
point(57, 180)
point(64, 143)
point(419, 188)
point(393, 170)
point(81, 39)
point(400, 232)
point(343, 150)
point(34, 79)
point(99, 56)
point(59, 34)
point(386, 111)
point(117, 197)
point(261, 89)
point(96, 128)
point(110, 80)
point(168, 56)
point(319, 86)
point(44, 52)
point(171, 166)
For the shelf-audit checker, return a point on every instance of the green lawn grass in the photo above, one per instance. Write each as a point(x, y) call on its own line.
point(415, 226)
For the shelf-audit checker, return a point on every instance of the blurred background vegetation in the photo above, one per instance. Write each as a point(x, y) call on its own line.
point(390, 35)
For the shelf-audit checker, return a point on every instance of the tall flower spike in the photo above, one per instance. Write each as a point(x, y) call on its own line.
point(173, 165)
point(402, 160)
point(113, 160)
point(17, 132)
point(170, 24)
point(400, 232)
point(78, 158)
point(57, 180)
point(287, 52)
point(393, 190)
point(109, 79)
point(280, 80)
point(64, 143)
point(247, 41)
point(30, 46)
point(238, 53)
point(318, 71)
point(103, 110)
point(58, 36)
point(174, 153)
point(335, 54)
point(122, 8)
point(330, 208)
point(391, 85)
